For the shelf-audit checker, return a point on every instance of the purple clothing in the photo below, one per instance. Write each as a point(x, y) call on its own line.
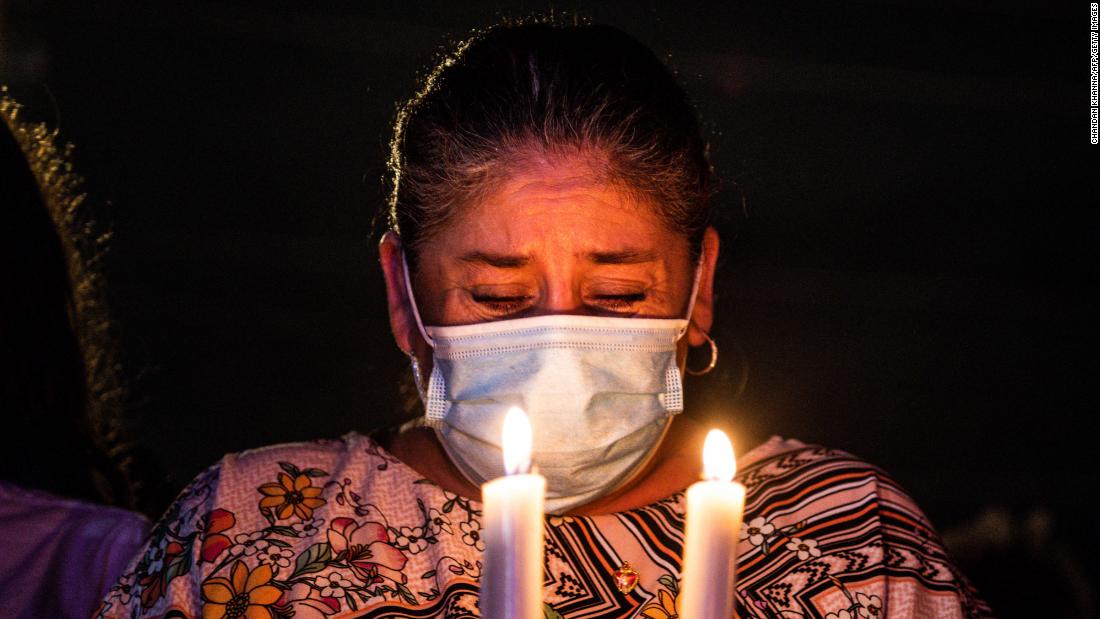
point(59, 556)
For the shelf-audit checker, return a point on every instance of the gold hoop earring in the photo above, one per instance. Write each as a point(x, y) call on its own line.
point(713, 358)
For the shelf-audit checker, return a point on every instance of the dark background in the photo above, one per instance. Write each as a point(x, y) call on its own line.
point(907, 278)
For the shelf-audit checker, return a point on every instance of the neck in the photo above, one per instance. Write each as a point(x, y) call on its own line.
point(674, 466)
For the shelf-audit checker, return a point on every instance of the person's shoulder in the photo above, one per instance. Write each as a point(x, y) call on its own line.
point(785, 458)
point(283, 471)
point(255, 462)
point(810, 507)
point(273, 483)
point(787, 469)
point(317, 451)
point(312, 458)
point(264, 508)
point(68, 523)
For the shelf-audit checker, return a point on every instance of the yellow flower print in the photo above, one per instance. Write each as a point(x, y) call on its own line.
point(291, 496)
point(243, 594)
point(663, 608)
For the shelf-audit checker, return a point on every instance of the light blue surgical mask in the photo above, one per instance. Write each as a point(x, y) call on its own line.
point(599, 391)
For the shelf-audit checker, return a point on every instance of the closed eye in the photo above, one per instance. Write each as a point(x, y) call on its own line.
point(617, 302)
point(502, 304)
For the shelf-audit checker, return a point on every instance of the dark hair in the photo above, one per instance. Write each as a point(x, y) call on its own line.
point(61, 393)
point(547, 89)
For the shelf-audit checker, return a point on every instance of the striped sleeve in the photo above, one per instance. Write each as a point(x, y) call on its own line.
point(829, 535)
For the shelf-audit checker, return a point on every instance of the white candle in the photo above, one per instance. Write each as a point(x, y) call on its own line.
point(714, 509)
point(511, 580)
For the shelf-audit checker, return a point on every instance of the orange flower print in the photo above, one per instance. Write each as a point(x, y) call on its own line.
point(213, 541)
point(244, 594)
point(663, 608)
point(291, 496)
point(368, 551)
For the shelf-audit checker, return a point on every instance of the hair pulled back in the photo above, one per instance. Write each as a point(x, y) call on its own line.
point(547, 90)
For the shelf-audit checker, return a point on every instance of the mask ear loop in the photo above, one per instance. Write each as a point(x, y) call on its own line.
point(710, 340)
point(412, 301)
point(691, 299)
point(435, 408)
point(418, 377)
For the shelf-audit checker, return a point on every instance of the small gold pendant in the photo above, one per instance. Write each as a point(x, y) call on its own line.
point(626, 578)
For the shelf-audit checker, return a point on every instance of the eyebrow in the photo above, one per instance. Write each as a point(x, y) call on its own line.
point(500, 261)
point(625, 256)
point(514, 261)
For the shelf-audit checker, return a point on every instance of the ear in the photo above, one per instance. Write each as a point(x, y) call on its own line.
point(702, 315)
point(402, 319)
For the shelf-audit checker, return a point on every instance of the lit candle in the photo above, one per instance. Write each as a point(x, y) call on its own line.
point(511, 581)
point(714, 509)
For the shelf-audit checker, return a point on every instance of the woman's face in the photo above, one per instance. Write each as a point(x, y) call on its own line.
point(551, 240)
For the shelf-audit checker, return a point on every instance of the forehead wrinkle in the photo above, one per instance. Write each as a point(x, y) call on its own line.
point(555, 172)
point(511, 219)
point(503, 242)
point(576, 171)
point(572, 192)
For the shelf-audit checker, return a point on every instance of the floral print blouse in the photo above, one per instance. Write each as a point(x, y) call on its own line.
point(335, 529)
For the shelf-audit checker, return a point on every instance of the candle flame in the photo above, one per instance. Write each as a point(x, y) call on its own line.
point(718, 461)
point(516, 442)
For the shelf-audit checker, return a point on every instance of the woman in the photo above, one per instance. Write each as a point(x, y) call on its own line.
point(64, 536)
point(549, 247)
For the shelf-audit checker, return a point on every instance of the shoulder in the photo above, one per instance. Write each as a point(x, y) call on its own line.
point(790, 473)
point(61, 544)
point(276, 482)
point(815, 492)
point(245, 484)
point(825, 522)
point(262, 511)
point(283, 481)
point(79, 530)
point(327, 452)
